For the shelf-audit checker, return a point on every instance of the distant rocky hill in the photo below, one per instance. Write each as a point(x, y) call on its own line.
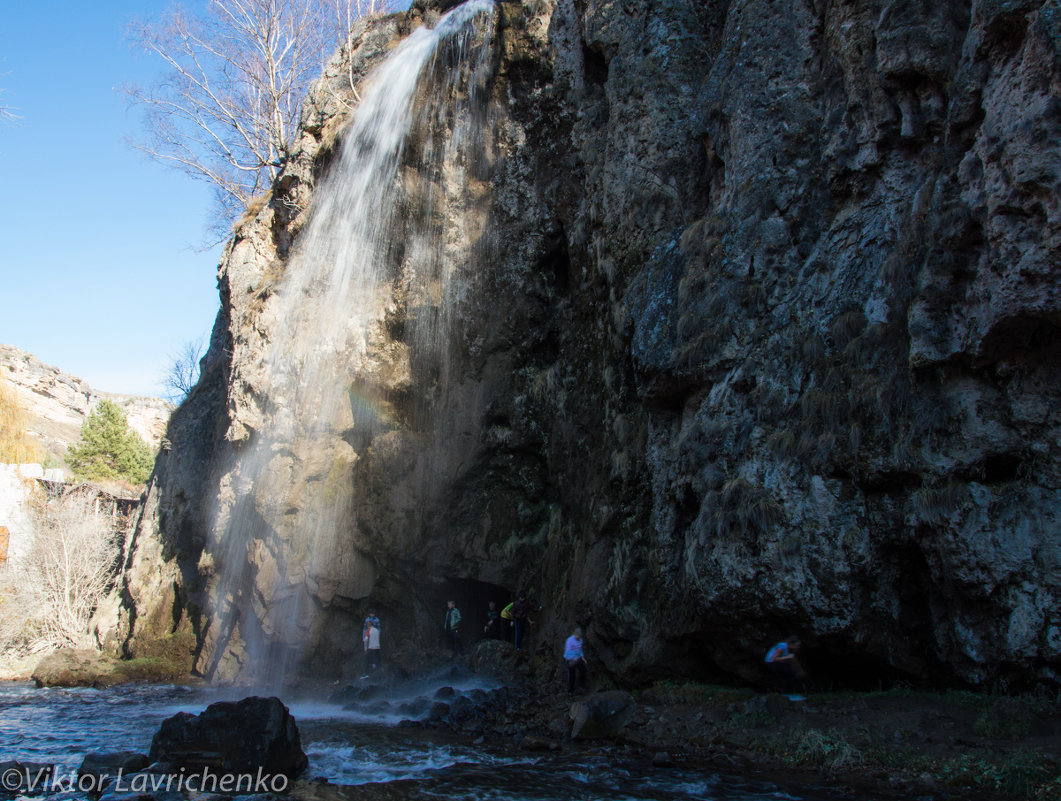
point(57, 404)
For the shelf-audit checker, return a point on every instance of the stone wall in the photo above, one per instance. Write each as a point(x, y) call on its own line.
point(16, 488)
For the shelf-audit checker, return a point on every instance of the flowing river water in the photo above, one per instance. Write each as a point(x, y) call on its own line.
point(356, 750)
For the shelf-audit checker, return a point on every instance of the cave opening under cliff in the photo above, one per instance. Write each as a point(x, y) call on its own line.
point(836, 665)
point(472, 598)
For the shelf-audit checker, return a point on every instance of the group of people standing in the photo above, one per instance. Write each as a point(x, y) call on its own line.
point(781, 660)
point(515, 617)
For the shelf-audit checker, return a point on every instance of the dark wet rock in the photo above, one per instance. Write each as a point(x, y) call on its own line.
point(533, 743)
point(601, 715)
point(238, 737)
point(414, 708)
point(373, 707)
point(772, 704)
point(444, 693)
point(106, 766)
point(24, 778)
point(661, 759)
point(438, 712)
point(148, 786)
point(461, 708)
point(495, 658)
point(558, 727)
point(353, 693)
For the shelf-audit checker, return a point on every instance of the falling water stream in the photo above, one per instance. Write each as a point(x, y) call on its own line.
point(281, 544)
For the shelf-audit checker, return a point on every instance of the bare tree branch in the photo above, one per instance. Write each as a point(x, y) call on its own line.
point(183, 374)
point(227, 109)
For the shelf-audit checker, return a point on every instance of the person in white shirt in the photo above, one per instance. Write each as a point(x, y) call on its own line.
point(371, 641)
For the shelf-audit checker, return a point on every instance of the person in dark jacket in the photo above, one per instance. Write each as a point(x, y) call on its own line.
point(451, 626)
point(520, 619)
point(492, 629)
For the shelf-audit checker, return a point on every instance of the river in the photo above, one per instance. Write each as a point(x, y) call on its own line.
point(357, 750)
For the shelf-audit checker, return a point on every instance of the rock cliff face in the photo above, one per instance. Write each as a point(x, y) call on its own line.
point(757, 333)
point(57, 404)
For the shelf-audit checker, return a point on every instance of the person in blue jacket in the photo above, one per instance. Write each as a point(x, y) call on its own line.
point(575, 660)
point(784, 666)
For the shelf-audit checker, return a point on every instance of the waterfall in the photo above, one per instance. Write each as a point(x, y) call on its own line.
point(280, 546)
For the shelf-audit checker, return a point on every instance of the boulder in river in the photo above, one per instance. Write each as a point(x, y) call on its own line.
point(75, 667)
point(24, 778)
point(110, 764)
point(240, 737)
point(601, 715)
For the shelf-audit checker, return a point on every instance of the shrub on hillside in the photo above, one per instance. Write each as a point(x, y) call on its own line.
point(15, 445)
point(47, 600)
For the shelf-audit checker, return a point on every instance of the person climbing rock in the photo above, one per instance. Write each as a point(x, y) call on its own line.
point(451, 626)
point(575, 660)
point(785, 668)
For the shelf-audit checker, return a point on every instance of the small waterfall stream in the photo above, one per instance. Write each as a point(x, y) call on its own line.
point(281, 544)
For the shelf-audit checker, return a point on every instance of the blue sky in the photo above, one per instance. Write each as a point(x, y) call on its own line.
point(99, 269)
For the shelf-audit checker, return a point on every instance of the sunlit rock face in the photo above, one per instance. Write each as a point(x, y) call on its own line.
point(735, 321)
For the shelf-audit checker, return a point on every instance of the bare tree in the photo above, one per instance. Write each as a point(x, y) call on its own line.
point(49, 597)
point(184, 372)
point(227, 110)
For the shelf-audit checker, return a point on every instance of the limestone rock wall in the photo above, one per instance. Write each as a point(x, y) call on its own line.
point(760, 337)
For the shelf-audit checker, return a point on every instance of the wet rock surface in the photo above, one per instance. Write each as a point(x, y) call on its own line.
point(601, 715)
point(104, 765)
point(255, 734)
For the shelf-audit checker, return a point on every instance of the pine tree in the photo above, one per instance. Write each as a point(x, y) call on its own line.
point(109, 449)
